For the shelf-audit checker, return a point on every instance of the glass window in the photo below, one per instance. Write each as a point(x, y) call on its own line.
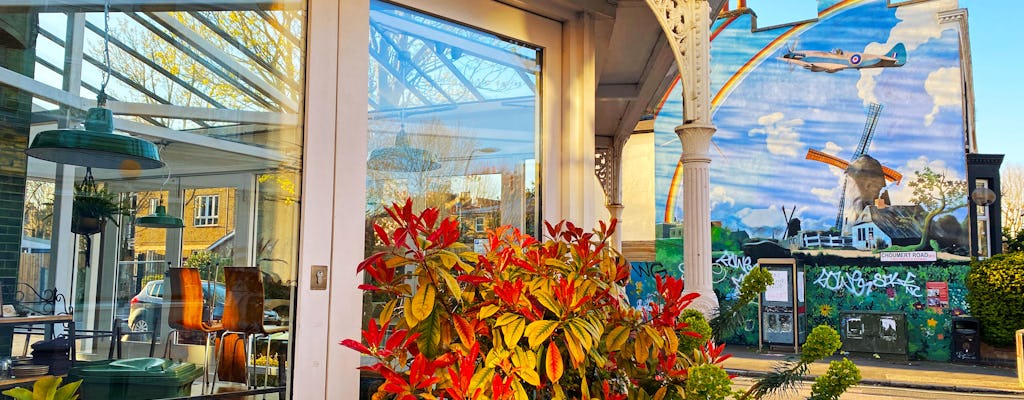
point(215, 90)
point(453, 121)
point(206, 210)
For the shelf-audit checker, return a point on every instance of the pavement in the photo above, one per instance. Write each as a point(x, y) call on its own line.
point(926, 375)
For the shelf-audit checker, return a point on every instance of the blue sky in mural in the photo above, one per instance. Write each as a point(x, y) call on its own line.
point(777, 113)
point(997, 85)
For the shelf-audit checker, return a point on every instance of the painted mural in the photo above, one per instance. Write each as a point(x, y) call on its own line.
point(843, 136)
point(836, 139)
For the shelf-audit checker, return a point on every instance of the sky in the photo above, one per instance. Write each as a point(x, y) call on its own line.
point(995, 30)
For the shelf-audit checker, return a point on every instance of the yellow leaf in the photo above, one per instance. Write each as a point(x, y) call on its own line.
point(481, 379)
point(421, 306)
point(553, 366)
point(616, 338)
point(447, 258)
point(548, 301)
point(654, 334)
point(529, 375)
point(520, 392)
point(641, 350)
point(506, 319)
point(453, 285)
point(671, 341)
point(387, 312)
point(487, 311)
point(539, 331)
point(660, 394)
point(514, 331)
point(581, 334)
point(572, 344)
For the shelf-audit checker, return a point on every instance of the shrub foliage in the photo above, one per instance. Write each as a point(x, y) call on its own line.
point(996, 296)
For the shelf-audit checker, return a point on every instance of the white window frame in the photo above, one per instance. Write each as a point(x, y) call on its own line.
point(982, 213)
point(204, 214)
point(335, 149)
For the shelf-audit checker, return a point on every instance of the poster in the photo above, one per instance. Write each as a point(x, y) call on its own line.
point(778, 291)
point(938, 295)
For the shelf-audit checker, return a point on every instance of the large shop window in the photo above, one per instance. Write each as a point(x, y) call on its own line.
point(130, 250)
point(454, 116)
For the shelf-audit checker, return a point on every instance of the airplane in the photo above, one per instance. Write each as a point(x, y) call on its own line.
point(838, 60)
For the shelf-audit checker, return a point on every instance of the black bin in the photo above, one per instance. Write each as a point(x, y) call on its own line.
point(966, 339)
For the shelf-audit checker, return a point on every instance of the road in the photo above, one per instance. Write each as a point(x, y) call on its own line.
point(877, 392)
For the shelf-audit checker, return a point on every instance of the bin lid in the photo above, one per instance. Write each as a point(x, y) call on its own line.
point(146, 367)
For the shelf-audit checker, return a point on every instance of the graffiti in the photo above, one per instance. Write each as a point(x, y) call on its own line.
point(648, 269)
point(733, 266)
point(859, 285)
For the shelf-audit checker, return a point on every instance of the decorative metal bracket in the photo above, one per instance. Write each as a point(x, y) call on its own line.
point(30, 301)
point(607, 163)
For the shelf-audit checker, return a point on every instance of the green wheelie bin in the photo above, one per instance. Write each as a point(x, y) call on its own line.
point(134, 379)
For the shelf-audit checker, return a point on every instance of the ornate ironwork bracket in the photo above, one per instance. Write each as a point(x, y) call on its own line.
point(31, 302)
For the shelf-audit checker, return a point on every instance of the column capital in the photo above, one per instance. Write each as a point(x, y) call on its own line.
point(696, 140)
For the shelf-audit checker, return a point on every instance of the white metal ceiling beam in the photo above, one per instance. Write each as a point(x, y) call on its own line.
point(72, 6)
point(211, 50)
point(57, 96)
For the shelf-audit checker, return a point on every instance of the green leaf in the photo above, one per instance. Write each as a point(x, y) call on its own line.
point(539, 331)
point(548, 301)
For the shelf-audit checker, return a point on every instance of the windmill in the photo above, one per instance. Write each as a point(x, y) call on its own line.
point(865, 177)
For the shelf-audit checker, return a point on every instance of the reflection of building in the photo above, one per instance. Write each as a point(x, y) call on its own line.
point(878, 228)
point(669, 230)
point(208, 218)
point(476, 215)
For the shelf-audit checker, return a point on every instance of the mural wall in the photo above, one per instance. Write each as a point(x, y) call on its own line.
point(838, 138)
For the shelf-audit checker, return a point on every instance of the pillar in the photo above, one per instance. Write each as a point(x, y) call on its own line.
point(687, 24)
point(696, 139)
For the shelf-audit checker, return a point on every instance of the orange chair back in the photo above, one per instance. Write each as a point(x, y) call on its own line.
point(243, 302)
point(186, 299)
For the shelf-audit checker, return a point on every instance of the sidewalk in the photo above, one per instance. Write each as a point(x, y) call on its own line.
point(928, 375)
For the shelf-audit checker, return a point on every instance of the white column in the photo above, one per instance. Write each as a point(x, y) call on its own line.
point(696, 139)
point(687, 24)
point(615, 210)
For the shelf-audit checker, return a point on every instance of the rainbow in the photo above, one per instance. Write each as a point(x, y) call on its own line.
point(741, 74)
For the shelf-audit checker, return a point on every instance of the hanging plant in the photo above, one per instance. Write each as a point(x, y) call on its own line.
point(94, 206)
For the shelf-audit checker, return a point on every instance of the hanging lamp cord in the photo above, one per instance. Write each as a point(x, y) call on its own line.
point(101, 98)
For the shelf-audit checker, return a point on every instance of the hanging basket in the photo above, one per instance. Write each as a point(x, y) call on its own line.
point(87, 225)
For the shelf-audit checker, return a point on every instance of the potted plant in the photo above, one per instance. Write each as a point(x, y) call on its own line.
point(93, 206)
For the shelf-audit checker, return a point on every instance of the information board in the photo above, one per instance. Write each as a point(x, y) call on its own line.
point(781, 309)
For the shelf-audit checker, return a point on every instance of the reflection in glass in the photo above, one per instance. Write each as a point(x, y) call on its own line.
point(453, 117)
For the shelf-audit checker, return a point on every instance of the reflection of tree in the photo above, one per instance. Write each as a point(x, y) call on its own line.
point(1011, 198)
point(272, 56)
point(937, 196)
point(38, 209)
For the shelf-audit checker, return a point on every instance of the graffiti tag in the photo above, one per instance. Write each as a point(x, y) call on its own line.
point(732, 262)
point(859, 284)
point(648, 269)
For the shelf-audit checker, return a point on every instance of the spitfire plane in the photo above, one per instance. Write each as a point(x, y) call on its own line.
point(838, 60)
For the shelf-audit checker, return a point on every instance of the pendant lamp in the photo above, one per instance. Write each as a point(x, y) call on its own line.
point(402, 157)
point(97, 146)
point(160, 219)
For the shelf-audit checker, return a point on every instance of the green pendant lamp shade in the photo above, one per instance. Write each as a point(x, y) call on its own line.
point(97, 146)
point(402, 157)
point(160, 219)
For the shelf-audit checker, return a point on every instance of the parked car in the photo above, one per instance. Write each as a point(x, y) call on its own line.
point(145, 306)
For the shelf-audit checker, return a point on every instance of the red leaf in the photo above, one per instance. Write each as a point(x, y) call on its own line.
point(369, 261)
point(368, 287)
point(354, 345)
point(382, 235)
point(473, 279)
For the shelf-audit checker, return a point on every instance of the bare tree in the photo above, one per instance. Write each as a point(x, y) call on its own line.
point(1012, 197)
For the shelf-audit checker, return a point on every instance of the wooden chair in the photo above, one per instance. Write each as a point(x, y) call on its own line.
point(243, 315)
point(186, 311)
